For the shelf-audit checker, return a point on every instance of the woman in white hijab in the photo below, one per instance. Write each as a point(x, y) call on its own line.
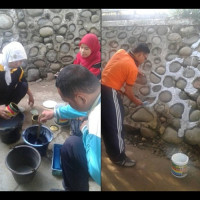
point(13, 84)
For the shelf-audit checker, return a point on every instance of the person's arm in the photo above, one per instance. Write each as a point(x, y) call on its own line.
point(62, 112)
point(30, 99)
point(129, 93)
point(67, 112)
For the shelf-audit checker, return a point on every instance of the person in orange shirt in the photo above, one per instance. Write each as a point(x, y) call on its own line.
point(120, 71)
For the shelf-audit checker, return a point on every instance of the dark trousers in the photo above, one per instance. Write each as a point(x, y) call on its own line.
point(112, 116)
point(14, 95)
point(74, 164)
point(75, 126)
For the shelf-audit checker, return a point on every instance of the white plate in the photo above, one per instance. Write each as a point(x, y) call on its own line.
point(49, 104)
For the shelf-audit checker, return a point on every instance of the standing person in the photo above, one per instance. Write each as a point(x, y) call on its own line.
point(13, 84)
point(80, 156)
point(89, 57)
point(121, 70)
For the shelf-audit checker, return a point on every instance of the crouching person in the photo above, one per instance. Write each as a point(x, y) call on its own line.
point(80, 156)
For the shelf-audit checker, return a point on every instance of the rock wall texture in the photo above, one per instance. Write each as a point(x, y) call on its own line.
point(172, 77)
point(50, 36)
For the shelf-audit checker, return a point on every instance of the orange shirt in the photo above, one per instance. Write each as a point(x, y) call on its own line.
point(120, 69)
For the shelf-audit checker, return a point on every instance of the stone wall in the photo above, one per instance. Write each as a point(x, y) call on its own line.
point(172, 81)
point(50, 36)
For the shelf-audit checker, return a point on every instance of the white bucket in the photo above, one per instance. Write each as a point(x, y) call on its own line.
point(179, 165)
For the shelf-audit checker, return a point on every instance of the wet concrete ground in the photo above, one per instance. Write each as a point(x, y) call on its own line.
point(151, 173)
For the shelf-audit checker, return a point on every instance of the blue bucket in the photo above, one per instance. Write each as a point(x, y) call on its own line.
point(29, 136)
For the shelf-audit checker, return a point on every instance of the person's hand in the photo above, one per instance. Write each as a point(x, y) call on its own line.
point(3, 112)
point(30, 101)
point(83, 124)
point(137, 102)
point(141, 73)
point(46, 115)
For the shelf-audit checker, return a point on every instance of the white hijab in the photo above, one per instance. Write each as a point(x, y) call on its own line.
point(13, 51)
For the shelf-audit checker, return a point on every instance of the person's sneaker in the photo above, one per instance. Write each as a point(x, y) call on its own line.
point(127, 162)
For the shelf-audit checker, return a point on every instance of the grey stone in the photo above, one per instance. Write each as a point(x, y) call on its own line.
point(62, 30)
point(145, 90)
point(72, 27)
point(154, 78)
point(169, 81)
point(177, 110)
point(195, 116)
point(46, 31)
point(182, 95)
point(170, 57)
point(147, 132)
point(6, 21)
point(162, 30)
point(113, 44)
point(156, 51)
point(33, 75)
point(65, 47)
point(174, 67)
point(192, 136)
point(170, 135)
point(39, 63)
point(55, 66)
point(35, 12)
point(95, 18)
point(188, 73)
point(181, 83)
point(21, 24)
point(196, 83)
point(191, 61)
point(122, 35)
point(138, 30)
point(174, 37)
point(156, 40)
point(44, 22)
point(51, 56)
point(56, 20)
point(165, 96)
point(142, 115)
point(186, 31)
point(156, 88)
point(56, 10)
point(160, 70)
point(185, 51)
point(190, 40)
point(33, 51)
point(86, 14)
point(150, 30)
point(59, 38)
point(131, 40)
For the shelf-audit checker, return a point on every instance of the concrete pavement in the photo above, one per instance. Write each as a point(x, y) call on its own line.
point(43, 180)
